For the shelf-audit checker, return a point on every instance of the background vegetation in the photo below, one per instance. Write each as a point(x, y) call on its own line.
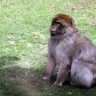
point(24, 33)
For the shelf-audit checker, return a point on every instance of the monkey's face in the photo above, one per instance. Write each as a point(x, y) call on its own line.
point(59, 25)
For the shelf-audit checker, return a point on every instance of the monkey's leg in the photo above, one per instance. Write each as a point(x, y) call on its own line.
point(49, 68)
point(81, 73)
point(62, 74)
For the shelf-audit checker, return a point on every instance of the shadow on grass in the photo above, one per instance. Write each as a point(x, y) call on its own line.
point(17, 81)
point(8, 60)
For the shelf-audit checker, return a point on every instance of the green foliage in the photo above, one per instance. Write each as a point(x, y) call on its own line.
point(24, 33)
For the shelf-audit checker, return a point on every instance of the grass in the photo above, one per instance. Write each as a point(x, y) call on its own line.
point(24, 33)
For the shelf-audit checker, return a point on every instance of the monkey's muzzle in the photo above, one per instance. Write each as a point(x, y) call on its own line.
point(53, 34)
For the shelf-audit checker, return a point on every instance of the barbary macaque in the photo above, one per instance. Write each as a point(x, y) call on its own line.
point(74, 53)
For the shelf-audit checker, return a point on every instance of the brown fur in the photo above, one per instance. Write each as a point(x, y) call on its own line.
point(63, 17)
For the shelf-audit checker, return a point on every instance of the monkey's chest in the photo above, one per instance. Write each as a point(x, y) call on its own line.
point(62, 52)
point(58, 54)
point(55, 54)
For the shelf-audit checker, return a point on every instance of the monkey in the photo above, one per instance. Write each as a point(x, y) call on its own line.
point(72, 51)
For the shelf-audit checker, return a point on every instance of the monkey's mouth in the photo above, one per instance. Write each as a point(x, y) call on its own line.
point(52, 34)
point(55, 34)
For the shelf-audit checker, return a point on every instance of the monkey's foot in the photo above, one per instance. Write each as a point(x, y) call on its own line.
point(56, 84)
point(72, 83)
point(47, 78)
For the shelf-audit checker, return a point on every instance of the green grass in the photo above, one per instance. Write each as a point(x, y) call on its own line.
point(24, 33)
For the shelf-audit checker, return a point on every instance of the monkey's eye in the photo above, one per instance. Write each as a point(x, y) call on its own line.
point(58, 23)
point(55, 23)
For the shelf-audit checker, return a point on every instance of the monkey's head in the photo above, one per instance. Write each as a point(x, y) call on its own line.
point(59, 24)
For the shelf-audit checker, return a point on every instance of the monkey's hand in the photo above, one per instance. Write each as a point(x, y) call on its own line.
point(46, 78)
point(56, 84)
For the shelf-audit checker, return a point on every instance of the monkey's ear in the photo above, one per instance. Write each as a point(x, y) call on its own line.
point(72, 23)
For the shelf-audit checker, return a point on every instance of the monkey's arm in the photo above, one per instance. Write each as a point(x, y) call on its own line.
point(64, 71)
point(49, 68)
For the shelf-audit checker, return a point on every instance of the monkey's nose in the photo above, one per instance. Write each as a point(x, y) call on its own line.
point(53, 29)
